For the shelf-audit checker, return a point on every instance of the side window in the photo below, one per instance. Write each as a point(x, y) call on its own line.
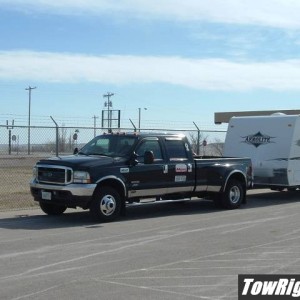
point(176, 150)
point(149, 145)
point(124, 145)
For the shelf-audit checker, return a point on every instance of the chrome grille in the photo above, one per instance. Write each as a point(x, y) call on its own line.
point(54, 174)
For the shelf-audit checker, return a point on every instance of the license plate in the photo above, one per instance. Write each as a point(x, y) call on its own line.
point(46, 195)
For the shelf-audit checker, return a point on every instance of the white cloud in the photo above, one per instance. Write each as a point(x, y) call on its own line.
point(207, 74)
point(274, 13)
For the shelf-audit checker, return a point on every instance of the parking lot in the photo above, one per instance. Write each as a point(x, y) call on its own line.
point(157, 251)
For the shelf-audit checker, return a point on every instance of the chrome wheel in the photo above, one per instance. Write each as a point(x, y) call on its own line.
point(234, 194)
point(108, 205)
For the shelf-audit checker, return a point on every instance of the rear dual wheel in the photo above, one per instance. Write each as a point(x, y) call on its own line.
point(233, 195)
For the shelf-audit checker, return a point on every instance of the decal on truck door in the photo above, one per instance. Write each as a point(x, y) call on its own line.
point(258, 139)
point(124, 170)
point(181, 168)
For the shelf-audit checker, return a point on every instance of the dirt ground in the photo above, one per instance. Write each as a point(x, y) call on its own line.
point(15, 174)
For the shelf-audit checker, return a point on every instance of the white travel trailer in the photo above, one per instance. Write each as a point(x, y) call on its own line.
point(273, 144)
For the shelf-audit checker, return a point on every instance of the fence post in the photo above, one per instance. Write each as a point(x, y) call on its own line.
point(9, 134)
point(133, 125)
point(198, 139)
point(9, 141)
point(57, 137)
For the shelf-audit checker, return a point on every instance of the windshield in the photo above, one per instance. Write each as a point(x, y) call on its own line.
point(109, 145)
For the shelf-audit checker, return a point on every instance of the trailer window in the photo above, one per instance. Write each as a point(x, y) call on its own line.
point(176, 150)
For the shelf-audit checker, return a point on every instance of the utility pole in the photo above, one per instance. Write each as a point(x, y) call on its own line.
point(94, 117)
point(29, 111)
point(108, 104)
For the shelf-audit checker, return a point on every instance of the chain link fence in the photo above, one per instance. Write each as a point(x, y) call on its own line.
point(22, 146)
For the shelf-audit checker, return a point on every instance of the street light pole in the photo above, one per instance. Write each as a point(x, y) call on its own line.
point(94, 117)
point(29, 112)
point(140, 116)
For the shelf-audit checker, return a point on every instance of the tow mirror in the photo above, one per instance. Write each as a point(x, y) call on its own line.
point(148, 157)
point(133, 159)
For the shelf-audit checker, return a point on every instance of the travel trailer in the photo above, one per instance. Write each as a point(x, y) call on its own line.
point(273, 144)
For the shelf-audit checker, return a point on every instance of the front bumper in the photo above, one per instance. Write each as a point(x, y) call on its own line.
point(71, 195)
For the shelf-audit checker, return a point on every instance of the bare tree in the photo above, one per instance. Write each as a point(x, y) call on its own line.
point(195, 143)
point(217, 147)
point(62, 139)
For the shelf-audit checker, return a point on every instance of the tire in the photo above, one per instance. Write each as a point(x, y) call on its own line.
point(233, 195)
point(52, 209)
point(106, 205)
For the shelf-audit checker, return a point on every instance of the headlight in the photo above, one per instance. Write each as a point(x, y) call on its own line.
point(81, 177)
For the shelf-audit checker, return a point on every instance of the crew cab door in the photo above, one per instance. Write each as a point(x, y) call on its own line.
point(181, 173)
point(148, 178)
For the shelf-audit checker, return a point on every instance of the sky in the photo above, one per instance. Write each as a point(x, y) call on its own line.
point(176, 62)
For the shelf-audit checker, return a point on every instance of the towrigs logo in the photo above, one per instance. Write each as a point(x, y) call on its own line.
point(257, 139)
point(268, 286)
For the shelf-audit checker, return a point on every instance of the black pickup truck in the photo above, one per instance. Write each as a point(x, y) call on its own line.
point(114, 170)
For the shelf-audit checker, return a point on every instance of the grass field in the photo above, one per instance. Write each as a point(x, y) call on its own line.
point(15, 174)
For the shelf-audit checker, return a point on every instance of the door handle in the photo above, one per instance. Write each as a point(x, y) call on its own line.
point(165, 169)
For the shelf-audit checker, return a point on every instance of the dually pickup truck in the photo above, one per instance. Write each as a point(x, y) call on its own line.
point(114, 170)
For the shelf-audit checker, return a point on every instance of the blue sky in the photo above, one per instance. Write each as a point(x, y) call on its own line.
point(182, 60)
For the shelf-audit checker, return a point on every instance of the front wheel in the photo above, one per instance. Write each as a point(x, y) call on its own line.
point(233, 195)
point(52, 209)
point(106, 205)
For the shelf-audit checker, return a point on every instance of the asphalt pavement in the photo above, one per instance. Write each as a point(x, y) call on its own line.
point(164, 251)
